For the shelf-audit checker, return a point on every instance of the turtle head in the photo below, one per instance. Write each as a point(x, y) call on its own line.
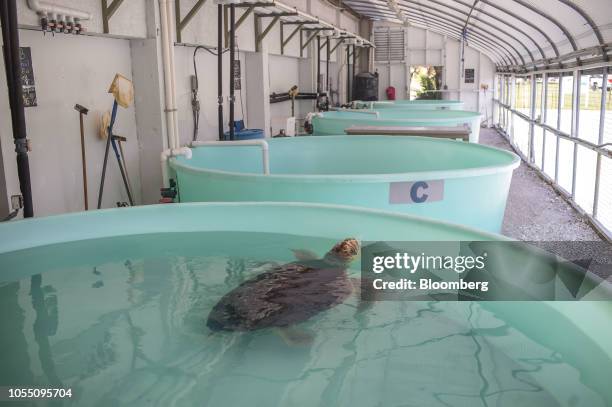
point(343, 252)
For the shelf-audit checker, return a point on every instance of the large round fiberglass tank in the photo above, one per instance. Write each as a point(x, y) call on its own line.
point(113, 305)
point(443, 179)
point(419, 104)
point(335, 122)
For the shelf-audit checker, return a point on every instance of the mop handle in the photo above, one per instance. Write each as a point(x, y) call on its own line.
point(108, 142)
point(116, 150)
point(110, 130)
point(112, 120)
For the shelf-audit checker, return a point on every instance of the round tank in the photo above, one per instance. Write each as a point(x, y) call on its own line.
point(436, 178)
point(335, 122)
point(113, 304)
point(419, 104)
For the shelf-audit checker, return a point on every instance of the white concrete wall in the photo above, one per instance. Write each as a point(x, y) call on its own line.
point(68, 70)
point(72, 69)
point(207, 78)
point(284, 70)
point(424, 47)
point(284, 73)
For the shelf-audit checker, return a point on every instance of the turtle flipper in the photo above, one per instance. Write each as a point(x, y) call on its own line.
point(303, 255)
point(296, 337)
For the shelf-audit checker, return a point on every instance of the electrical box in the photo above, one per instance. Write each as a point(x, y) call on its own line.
point(16, 202)
point(469, 75)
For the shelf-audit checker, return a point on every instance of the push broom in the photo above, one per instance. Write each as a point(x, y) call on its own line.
point(123, 92)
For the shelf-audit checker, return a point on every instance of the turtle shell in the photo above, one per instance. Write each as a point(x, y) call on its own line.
point(283, 296)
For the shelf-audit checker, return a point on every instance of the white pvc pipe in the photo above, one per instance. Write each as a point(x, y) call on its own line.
point(171, 32)
point(341, 32)
point(44, 8)
point(262, 143)
point(172, 152)
point(170, 108)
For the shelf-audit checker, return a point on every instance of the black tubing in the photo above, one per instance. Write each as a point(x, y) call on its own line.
point(327, 87)
point(123, 174)
point(354, 70)
point(232, 58)
point(109, 132)
point(348, 74)
point(220, 68)
point(10, 35)
point(318, 64)
point(101, 190)
point(10, 216)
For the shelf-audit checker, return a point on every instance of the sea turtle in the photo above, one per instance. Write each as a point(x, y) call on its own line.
point(288, 294)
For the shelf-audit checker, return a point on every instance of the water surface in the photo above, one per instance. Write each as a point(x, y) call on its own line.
point(122, 322)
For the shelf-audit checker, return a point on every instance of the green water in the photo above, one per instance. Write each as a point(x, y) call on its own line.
point(122, 322)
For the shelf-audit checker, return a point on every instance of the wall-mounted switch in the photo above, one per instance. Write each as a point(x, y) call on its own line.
point(16, 202)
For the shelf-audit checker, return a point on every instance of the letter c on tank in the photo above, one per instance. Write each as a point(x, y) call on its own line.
point(414, 192)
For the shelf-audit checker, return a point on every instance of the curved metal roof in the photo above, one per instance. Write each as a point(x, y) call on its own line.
point(517, 35)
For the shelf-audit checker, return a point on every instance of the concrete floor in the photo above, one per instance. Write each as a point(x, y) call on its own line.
point(535, 212)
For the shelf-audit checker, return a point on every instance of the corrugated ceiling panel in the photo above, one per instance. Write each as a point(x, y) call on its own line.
point(507, 30)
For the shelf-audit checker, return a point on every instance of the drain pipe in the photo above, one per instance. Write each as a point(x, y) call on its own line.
point(168, 57)
point(171, 32)
point(232, 44)
point(10, 36)
point(354, 71)
point(318, 65)
point(348, 73)
point(166, 10)
point(220, 68)
point(172, 152)
point(327, 85)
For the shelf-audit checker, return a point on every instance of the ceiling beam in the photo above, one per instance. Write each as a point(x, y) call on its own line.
point(492, 51)
point(552, 20)
point(484, 32)
point(450, 15)
point(458, 26)
point(494, 24)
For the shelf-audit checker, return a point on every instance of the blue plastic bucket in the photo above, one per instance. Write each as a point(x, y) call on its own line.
point(247, 134)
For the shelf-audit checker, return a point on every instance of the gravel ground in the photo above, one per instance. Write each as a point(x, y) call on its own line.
point(535, 212)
